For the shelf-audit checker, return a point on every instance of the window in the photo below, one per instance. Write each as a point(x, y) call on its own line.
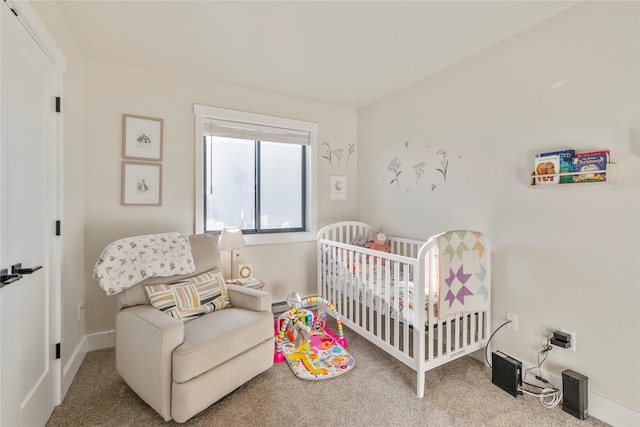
point(254, 171)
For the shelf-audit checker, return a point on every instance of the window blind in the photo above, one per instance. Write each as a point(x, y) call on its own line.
point(254, 132)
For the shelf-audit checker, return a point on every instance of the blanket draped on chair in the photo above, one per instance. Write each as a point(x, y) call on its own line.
point(128, 261)
point(464, 274)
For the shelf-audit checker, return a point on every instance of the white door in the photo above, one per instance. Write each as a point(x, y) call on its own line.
point(29, 371)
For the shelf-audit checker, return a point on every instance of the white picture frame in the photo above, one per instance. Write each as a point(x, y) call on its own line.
point(338, 188)
point(141, 184)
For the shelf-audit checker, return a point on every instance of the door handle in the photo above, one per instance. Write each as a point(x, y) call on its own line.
point(17, 269)
point(7, 279)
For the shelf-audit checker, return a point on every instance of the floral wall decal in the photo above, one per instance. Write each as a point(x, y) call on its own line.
point(337, 154)
point(394, 166)
point(426, 165)
point(327, 150)
point(444, 163)
point(419, 168)
point(352, 148)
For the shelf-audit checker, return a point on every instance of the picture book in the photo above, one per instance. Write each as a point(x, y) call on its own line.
point(596, 153)
point(566, 163)
point(546, 169)
point(594, 166)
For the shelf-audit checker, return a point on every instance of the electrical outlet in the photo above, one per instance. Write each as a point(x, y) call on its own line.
point(80, 308)
point(514, 321)
point(573, 338)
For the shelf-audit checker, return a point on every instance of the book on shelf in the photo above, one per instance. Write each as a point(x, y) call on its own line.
point(546, 169)
point(566, 163)
point(592, 166)
point(596, 153)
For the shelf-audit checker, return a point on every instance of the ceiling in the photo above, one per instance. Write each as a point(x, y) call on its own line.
point(347, 53)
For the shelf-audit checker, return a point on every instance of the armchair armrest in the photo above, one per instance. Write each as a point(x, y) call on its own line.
point(248, 298)
point(145, 340)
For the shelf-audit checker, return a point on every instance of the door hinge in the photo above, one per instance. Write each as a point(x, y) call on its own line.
point(58, 351)
point(58, 228)
point(58, 107)
point(12, 9)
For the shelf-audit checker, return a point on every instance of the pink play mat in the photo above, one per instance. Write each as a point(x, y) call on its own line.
point(322, 354)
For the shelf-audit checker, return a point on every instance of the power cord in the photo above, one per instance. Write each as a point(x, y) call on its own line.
point(88, 307)
point(486, 358)
point(544, 352)
point(549, 397)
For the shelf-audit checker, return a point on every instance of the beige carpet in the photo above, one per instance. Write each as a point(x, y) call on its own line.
point(378, 391)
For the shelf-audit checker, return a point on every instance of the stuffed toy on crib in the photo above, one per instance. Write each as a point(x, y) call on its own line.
point(379, 243)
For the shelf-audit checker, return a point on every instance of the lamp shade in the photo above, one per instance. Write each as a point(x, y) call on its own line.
point(231, 238)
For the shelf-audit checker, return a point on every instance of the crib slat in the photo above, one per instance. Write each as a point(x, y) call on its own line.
point(441, 326)
point(405, 307)
point(465, 326)
point(474, 336)
point(388, 321)
point(394, 311)
point(378, 289)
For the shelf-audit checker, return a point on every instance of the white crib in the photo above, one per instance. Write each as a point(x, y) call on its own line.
point(377, 294)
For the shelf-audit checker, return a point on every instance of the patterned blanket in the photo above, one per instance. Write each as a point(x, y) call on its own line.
point(127, 262)
point(464, 275)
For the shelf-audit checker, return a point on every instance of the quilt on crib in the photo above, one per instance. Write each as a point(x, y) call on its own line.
point(464, 277)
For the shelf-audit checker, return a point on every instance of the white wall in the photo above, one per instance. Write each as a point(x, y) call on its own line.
point(114, 89)
point(563, 257)
point(72, 284)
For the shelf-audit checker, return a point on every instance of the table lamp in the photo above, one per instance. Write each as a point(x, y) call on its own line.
point(230, 240)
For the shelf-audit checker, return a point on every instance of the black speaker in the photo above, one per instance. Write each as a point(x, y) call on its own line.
point(575, 389)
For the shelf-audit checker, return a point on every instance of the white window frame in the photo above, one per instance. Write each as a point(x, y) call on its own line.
point(203, 112)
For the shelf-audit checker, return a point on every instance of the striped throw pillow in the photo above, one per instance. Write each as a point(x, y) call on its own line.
point(189, 298)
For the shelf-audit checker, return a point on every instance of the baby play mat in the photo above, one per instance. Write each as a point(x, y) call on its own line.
point(312, 350)
point(326, 358)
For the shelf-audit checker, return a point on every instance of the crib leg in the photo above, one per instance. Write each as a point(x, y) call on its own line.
point(420, 390)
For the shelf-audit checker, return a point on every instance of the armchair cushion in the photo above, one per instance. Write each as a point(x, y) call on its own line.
point(189, 298)
point(210, 341)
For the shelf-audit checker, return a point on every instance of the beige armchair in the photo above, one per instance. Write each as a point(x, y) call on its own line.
point(180, 368)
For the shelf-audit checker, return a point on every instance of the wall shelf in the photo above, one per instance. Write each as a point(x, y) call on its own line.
point(611, 178)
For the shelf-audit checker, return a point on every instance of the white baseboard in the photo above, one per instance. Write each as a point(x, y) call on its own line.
point(100, 340)
point(73, 365)
point(611, 412)
point(88, 343)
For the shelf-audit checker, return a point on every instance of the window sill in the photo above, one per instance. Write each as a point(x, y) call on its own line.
point(278, 238)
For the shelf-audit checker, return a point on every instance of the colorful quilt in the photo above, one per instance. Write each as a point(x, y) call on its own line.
point(464, 276)
point(127, 262)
